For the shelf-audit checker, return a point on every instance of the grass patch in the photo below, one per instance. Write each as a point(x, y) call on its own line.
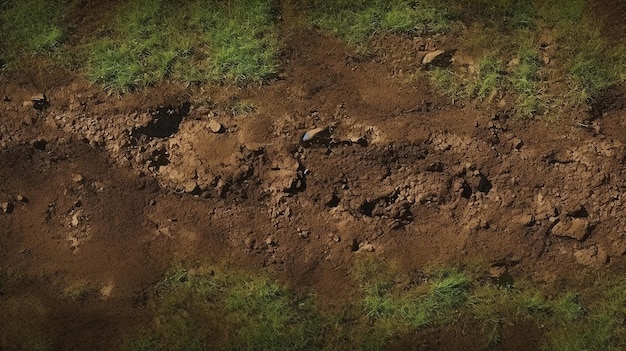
point(78, 291)
point(203, 308)
point(157, 40)
point(357, 21)
point(229, 311)
point(30, 27)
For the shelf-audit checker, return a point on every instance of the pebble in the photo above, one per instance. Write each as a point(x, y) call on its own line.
point(215, 126)
point(431, 56)
point(78, 178)
point(312, 134)
point(7, 207)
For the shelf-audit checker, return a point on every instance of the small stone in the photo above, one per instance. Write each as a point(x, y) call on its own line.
point(517, 143)
point(433, 57)
point(574, 228)
point(38, 97)
point(304, 234)
point(39, 101)
point(7, 207)
point(313, 134)
point(367, 248)
point(75, 220)
point(497, 272)
point(78, 178)
point(270, 241)
point(190, 186)
point(216, 127)
point(19, 198)
point(526, 220)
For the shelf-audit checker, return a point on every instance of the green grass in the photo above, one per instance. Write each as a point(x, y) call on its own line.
point(503, 37)
point(157, 40)
point(228, 311)
point(208, 308)
point(357, 21)
point(30, 27)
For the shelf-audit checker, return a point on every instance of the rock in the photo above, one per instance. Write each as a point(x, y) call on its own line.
point(39, 101)
point(574, 228)
point(75, 220)
point(7, 207)
point(517, 143)
point(593, 256)
point(526, 220)
point(78, 178)
point(216, 127)
point(270, 241)
point(38, 97)
point(431, 56)
point(190, 186)
point(312, 134)
point(366, 247)
point(497, 272)
point(304, 234)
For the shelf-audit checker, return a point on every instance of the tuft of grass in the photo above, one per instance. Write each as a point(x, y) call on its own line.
point(242, 108)
point(157, 40)
point(78, 291)
point(199, 307)
point(30, 27)
point(357, 21)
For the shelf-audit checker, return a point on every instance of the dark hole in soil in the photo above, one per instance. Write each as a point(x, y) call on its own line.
point(333, 202)
point(354, 246)
point(581, 213)
point(165, 123)
point(484, 185)
point(467, 190)
point(40, 144)
point(367, 207)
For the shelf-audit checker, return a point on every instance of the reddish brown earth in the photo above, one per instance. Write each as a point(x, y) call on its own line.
point(108, 192)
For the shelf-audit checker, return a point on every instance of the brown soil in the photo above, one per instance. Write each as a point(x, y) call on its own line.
point(102, 193)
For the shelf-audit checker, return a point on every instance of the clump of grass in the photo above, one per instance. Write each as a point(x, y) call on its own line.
point(156, 40)
point(356, 21)
point(230, 311)
point(30, 27)
point(78, 291)
point(242, 108)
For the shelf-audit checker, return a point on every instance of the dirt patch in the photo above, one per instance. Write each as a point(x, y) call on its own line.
point(103, 193)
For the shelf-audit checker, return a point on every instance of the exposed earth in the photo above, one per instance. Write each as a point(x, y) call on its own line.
point(109, 191)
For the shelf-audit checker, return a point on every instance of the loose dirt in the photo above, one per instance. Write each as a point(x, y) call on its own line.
point(100, 193)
